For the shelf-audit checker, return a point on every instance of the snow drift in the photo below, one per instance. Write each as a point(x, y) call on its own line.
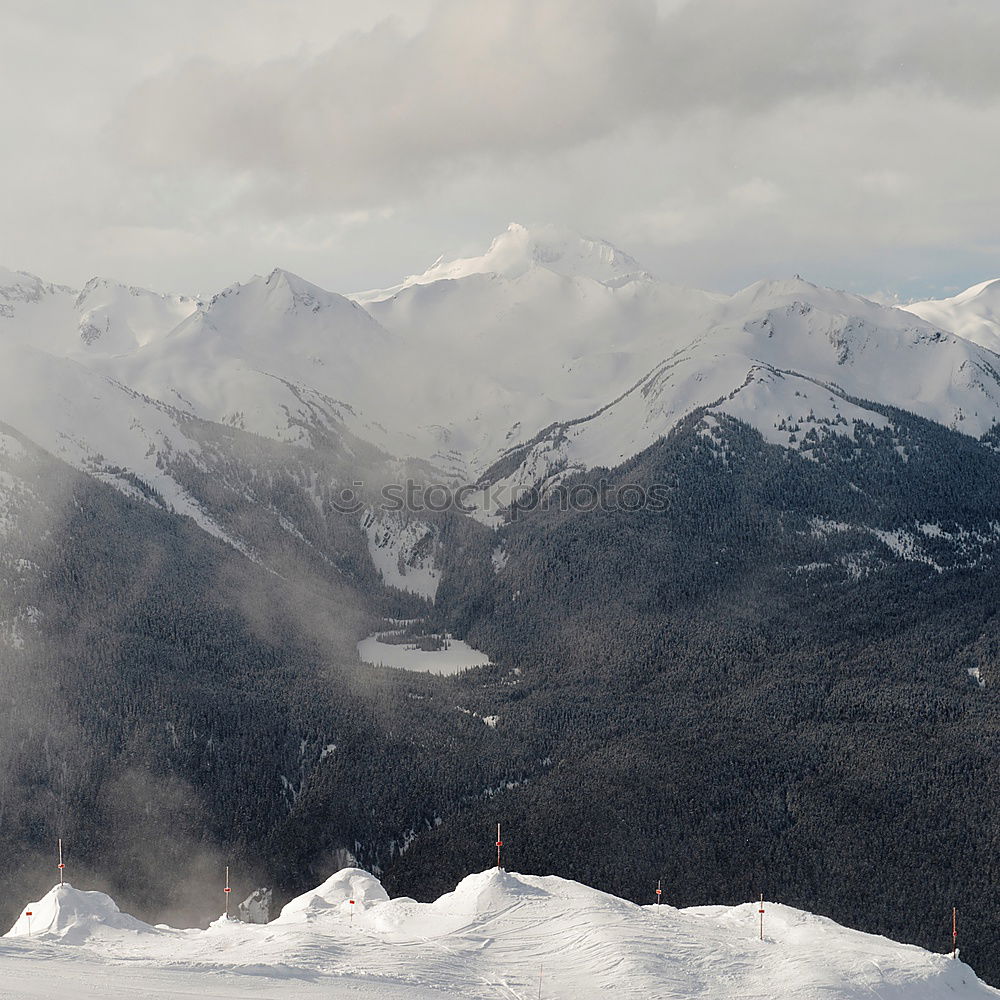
point(72, 916)
point(497, 934)
point(336, 893)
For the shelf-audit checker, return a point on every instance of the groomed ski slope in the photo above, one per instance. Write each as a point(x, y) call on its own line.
point(498, 935)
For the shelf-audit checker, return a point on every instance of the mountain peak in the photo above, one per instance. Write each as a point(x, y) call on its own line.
point(985, 289)
point(26, 286)
point(110, 288)
point(556, 249)
point(9, 278)
point(777, 288)
point(279, 276)
point(281, 291)
point(520, 249)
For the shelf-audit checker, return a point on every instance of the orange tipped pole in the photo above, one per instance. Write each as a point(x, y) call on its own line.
point(499, 846)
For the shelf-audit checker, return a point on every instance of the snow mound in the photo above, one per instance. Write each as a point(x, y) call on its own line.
point(73, 916)
point(496, 934)
point(334, 894)
point(490, 892)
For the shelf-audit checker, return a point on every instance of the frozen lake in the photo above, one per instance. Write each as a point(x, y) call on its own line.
point(457, 657)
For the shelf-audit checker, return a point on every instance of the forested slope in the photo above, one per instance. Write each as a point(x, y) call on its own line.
point(760, 684)
point(168, 706)
point(763, 687)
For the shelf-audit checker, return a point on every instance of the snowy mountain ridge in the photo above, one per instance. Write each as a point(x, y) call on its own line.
point(498, 934)
point(973, 314)
point(794, 361)
point(104, 318)
point(548, 354)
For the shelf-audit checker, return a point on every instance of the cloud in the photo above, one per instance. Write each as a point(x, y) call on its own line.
point(385, 113)
point(189, 146)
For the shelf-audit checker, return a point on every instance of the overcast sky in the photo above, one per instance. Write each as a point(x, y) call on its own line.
point(186, 144)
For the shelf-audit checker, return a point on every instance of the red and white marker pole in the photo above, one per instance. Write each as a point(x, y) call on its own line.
point(27, 913)
point(761, 912)
point(499, 845)
point(659, 891)
point(227, 891)
point(954, 932)
point(61, 866)
point(351, 901)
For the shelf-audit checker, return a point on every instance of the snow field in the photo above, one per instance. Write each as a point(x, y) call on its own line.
point(498, 934)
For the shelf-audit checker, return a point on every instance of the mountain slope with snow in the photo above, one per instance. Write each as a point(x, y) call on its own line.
point(104, 318)
point(97, 425)
point(973, 314)
point(497, 934)
point(267, 356)
point(548, 353)
point(550, 331)
point(545, 326)
point(115, 319)
point(792, 360)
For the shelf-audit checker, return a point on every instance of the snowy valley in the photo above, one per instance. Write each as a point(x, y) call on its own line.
point(354, 538)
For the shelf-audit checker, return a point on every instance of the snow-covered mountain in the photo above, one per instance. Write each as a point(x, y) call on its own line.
point(973, 314)
point(270, 356)
point(124, 384)
point(794, 361)
point(547, 331)
point(94, 423)
point(498, 934)
point(104, 318)
point(544, 327)
point(520, 249)
point(547, 354)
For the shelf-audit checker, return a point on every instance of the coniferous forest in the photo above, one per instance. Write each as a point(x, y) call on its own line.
point(757, 688)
